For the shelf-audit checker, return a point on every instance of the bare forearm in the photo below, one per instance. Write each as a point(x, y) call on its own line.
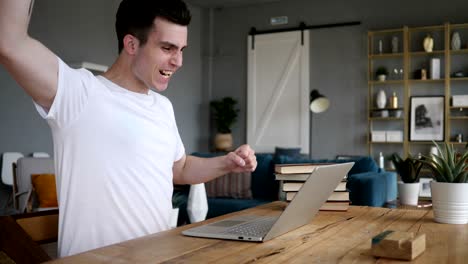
point(14, 19)
point(191, 170)
point(198, 170)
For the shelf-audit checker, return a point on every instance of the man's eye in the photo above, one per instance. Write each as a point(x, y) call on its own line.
point(167, 48)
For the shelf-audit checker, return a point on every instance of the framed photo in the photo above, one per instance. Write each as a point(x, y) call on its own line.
point(427, 118)
point(425, 187)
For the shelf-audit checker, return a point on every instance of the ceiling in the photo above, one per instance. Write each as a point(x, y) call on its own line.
point(227, 3)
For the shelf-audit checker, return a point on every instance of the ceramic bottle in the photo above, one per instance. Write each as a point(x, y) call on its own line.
point(381, 99)
point(428, 43)
point(456, 41)
point(395, 44)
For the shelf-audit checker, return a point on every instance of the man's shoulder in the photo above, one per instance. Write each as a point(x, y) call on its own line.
point(161, 99)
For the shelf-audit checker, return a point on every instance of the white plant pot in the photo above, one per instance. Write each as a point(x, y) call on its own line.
point(381, 77)
point(408, 193)
point(450, 202)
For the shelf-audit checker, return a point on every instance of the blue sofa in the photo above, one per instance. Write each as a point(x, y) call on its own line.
point(368, 185)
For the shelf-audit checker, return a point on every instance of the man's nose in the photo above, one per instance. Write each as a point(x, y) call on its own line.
point(177, 59)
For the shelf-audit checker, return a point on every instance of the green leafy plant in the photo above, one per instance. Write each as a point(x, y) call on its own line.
point(449, 165)
point(224, 113)
point(408, 168)
point(381, 71)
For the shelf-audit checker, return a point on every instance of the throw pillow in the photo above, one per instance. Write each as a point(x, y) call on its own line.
point(282, 159)
point(231, 185)
point(44, 186)
point(291, 152)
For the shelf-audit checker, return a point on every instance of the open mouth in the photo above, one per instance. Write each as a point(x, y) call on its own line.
point(166, 74)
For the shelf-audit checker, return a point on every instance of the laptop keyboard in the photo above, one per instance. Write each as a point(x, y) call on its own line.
point(253, 228)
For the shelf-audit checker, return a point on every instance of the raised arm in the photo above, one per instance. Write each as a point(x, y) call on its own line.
point(31, 64)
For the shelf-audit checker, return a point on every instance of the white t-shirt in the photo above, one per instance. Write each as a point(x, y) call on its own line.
point(114, 152)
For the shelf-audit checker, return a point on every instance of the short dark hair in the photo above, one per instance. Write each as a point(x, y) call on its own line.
point(136, 17)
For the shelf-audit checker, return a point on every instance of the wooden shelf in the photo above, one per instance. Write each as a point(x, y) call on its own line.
point(427, 81)
point(425, 53)
point(386, 82)
point(459, 26)
point(459, 79)
point(386, 55)
point(426, 28)
point(411, 57)
point(458, 107)
point(388, 109)
point(421, 142)
point(460, 51)
point(386, 31)
point(458, 143)
point(385, 142)
point(459, 117)
point(386, 118)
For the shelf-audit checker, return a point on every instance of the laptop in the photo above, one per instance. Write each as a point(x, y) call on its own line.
point(300, 211)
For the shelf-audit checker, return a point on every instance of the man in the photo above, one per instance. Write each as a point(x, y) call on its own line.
point(116, 145)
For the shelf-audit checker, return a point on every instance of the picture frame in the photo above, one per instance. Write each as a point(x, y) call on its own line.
point(425, 188)
point(427, 118)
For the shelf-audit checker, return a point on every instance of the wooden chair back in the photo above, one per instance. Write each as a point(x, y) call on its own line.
point(22, 234)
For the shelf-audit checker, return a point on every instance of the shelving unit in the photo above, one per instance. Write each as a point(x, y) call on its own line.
point(381, 54)
point(405, 80)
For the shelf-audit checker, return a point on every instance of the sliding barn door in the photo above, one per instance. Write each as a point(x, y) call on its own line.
point(278, 91)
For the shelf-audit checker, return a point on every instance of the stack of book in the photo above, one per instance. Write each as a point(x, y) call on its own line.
point(293, 176)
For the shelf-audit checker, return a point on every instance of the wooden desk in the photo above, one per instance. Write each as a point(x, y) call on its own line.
point(331, 237)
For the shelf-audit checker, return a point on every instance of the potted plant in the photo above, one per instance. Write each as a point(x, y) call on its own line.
point(450, 189)
point(408, 169)
point(225, 115)
point(381, 73)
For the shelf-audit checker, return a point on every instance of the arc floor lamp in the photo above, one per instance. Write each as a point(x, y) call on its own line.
point(318, 104)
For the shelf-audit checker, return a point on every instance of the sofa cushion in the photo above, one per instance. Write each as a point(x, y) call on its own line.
point(44, 187)
point(291, 152)
point(232, 185)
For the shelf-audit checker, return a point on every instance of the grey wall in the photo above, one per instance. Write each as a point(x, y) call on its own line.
point(338, 57)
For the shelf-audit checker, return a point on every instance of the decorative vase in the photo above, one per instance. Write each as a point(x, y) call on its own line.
point(223, 141)
point(381, 99)
point(173, 218)
point(395, 44)
point(456, 41)
point(394, 101)
point(408, 193)
point(450, 202)
point(197, 203)
point(428, 43)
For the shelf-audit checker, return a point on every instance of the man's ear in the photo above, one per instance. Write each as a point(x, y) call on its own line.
point(131, 44)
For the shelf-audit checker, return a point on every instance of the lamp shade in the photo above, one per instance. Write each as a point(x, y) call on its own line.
point(318, 102)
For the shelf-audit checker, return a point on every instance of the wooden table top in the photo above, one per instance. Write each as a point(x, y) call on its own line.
point(331, 237)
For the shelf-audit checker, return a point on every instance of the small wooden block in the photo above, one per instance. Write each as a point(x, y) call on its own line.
point(398, 245)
